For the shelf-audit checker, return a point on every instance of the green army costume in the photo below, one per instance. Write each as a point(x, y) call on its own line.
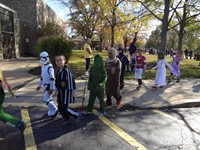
point(96, 84)
point(4, 117)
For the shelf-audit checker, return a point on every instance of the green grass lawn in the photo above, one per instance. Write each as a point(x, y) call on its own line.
point(189, 68)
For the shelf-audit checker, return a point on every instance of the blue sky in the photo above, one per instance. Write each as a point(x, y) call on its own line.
point(61, 12)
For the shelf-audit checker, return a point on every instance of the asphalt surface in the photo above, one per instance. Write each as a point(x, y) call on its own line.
point(86, 133)
point(90, 131)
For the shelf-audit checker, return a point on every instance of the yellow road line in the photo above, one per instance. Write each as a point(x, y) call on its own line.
point(167, 116)
point(28, 132)
point(121, 133)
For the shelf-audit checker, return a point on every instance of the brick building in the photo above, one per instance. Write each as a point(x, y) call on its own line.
point(24, 17)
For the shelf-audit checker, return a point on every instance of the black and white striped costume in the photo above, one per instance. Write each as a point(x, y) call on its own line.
point(65, 85)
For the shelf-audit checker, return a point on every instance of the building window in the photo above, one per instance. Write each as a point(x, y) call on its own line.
point(7, 24)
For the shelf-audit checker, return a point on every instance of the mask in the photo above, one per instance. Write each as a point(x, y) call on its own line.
point(44, 58)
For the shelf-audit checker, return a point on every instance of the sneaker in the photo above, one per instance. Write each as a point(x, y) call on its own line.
point(161, 86)
point(87, 74)
point(108, 105)
point(77, 119)
point(102, 113)
point(86, 112)
point(73, 120)
point(21, 126)
point(118, 102)
point(46, 116)
point(77, 115)
point(155, 87)
point(138, 88)
point(56, 113)
point(169, 81)
point(178, 80)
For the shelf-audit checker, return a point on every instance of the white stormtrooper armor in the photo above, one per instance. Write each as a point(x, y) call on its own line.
point(47, 76)
point(44, 58)
point(48, 82)
point(47, 72)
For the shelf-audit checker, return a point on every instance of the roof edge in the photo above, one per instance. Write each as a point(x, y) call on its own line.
point(7, 8)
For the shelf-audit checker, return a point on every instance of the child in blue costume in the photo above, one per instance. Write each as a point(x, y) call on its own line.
point(4, 117)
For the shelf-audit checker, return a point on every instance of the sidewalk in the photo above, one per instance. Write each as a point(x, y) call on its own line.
point(16, 70)
point(186, 92)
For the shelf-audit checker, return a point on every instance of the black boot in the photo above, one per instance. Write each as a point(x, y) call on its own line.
point(108, 102)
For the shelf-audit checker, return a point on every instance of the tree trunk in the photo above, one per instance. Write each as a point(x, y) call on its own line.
point(112, 35)
point(165, 23)
point(136, 33)
point(180, 38)
point(173, 43)
point(125, 42)
point(182, 26)
point(100, 43)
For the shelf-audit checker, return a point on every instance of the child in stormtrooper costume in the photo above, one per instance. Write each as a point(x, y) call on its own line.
point(47, 80)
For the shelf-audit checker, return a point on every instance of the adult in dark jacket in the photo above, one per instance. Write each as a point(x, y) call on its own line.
point(132, 50)
point(125, 66)
point(190, 54)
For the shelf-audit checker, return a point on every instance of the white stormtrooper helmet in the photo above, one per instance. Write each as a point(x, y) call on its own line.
point(44, 58)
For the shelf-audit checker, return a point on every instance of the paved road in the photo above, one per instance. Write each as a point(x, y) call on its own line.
point(126, 128)
point(44, 134)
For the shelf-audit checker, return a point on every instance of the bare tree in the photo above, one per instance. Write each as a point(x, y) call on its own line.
point(156, 8)
point(188, 17)
point(190, 10)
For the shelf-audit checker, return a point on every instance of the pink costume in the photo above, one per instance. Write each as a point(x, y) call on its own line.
point(176, 66)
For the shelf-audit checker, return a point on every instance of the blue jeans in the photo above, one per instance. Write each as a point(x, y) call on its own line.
point(87, 63)
point(132, 64)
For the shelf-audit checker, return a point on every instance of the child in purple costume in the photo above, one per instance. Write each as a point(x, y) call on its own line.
point(176, 67)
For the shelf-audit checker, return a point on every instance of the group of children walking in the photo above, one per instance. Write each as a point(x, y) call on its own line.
point(102, 77)
point(160, 77)
point(62, 84)
point(114, 81)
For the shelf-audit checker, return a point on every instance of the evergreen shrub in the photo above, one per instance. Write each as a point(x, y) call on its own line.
point(54, 46)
